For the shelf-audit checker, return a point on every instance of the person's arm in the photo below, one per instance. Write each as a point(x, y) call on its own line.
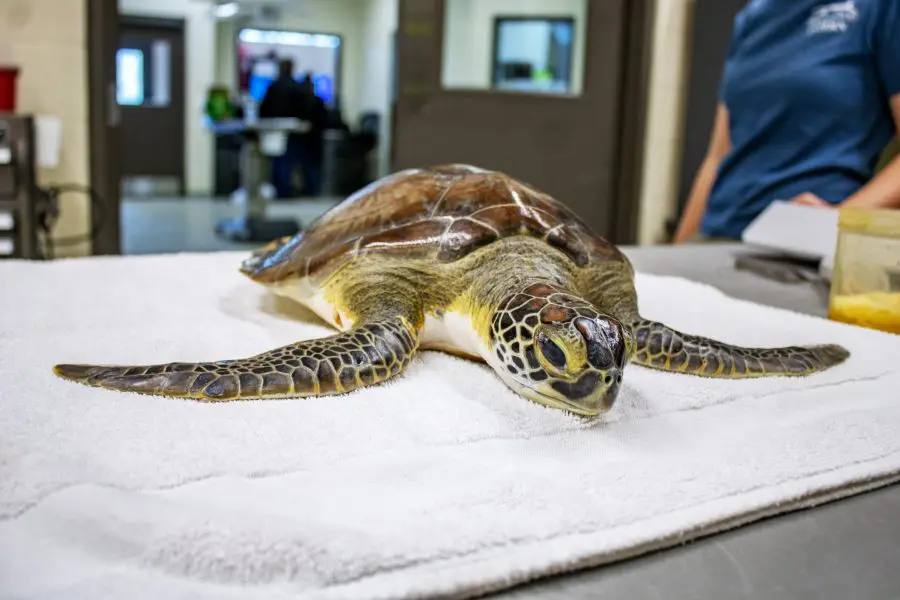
point(883, 191)
point(719, 146)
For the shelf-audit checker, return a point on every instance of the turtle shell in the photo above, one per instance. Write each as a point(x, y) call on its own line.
point(442, 213)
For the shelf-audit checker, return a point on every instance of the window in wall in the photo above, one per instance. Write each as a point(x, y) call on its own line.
point(161, 78)
point(533, 55)
point(524, 46)
point(130, 76)
point(144, 74)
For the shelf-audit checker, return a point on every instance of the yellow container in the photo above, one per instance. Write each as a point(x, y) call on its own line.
point(865, 284)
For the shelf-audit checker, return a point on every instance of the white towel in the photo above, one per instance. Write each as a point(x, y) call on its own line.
point(440, 484)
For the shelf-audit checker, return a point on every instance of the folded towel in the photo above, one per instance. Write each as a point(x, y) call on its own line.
point(442, 483)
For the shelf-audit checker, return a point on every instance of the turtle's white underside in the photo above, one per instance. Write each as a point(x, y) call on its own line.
point(450, 332)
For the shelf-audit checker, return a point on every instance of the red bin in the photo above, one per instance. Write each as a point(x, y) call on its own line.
point(8, 77)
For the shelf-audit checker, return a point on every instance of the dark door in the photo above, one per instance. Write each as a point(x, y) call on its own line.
point(712, 24)
point(150, 70)
point(105, 124)
point(545, 103)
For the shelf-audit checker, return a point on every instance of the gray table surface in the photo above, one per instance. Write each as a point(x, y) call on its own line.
point(846, 550)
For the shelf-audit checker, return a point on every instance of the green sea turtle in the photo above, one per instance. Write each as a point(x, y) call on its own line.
point(467, 261)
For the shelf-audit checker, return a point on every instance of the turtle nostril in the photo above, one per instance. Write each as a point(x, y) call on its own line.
point(613, 376)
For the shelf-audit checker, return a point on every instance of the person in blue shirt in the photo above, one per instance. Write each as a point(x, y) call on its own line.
point(809, 100)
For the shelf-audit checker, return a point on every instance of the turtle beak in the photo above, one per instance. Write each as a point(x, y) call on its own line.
point(587, 396)
point(593, 393)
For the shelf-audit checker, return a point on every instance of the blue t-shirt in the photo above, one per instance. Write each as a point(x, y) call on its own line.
point(807, 85)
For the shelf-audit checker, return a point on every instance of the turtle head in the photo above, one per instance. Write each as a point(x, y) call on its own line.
point(559, 351)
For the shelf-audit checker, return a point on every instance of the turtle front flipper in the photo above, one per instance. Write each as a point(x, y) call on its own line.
point(369, 353)
point(660, 347)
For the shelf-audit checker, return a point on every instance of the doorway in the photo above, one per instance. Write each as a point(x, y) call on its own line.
point(150, 92)
point(550, 91)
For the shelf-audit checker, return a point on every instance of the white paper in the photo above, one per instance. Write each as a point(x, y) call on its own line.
point(805, 232)
point(48, 140)
point(7, 222)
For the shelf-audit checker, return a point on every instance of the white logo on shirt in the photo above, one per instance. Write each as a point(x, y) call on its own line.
point(832, 18)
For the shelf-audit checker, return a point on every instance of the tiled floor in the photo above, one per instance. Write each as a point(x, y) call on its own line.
point(165, 225)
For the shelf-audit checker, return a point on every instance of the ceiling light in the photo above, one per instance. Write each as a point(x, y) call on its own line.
point(227, 10)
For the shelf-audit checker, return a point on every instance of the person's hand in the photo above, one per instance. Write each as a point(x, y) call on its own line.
point(810, 199)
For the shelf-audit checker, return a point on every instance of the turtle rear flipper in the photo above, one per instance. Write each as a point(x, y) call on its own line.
point(660, 347)
point(367, 354)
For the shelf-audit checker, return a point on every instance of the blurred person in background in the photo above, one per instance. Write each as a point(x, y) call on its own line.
point(287, 98)
point(312, 143)
point(809, 99)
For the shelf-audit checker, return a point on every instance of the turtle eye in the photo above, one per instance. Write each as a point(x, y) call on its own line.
point(551, 351)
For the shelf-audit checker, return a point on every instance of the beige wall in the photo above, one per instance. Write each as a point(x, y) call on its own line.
point(225, 60)
point(46, 40)
point(665, 115)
